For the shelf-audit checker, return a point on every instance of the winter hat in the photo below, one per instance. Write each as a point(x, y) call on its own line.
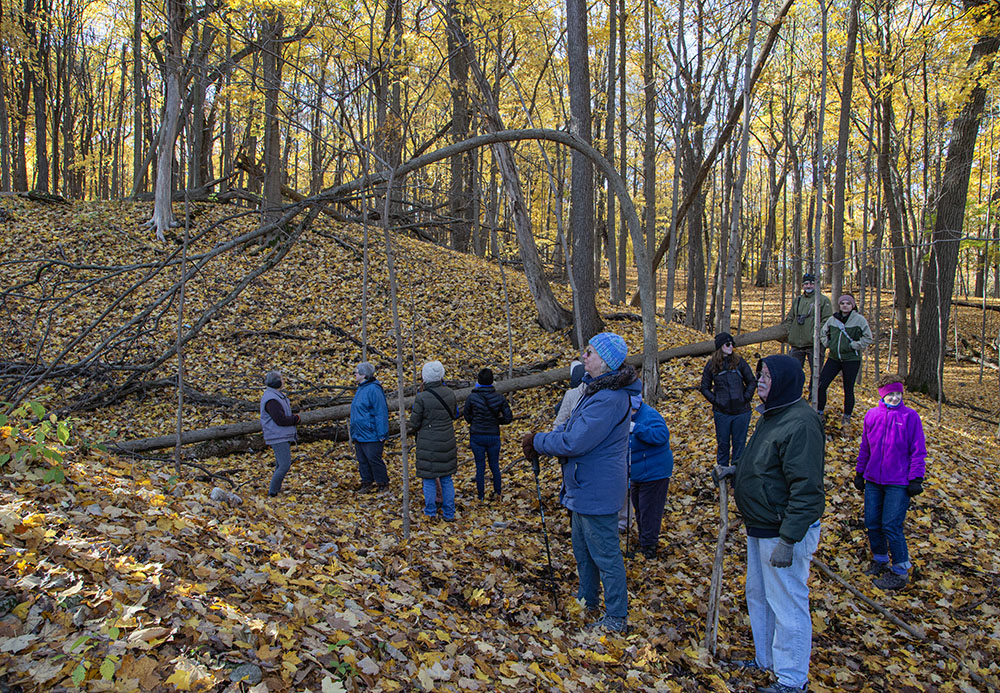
point(432, 372)
point(723, 338)
point(365, 369)
point(854, 303)
point(611, 348)
point(273, 379)
point(635, 401)
point(890, 388)
point(808, 277)
point(485, 377)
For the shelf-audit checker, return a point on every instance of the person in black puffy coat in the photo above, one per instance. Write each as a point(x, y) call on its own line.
point(729, 385)
point(486, 410)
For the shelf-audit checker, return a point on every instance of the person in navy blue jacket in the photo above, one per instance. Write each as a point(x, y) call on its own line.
point(369, 428)
point(593, 448)
point(652, 467)
point(486, 410)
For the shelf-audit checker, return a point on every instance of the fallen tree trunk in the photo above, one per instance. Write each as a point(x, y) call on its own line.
point(246, 428)
point(978, 305)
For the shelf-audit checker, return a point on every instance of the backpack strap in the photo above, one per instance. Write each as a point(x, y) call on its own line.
point(440, 399)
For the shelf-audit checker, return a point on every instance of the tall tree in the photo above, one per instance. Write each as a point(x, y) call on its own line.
point(581, 213)
point(939, 275)
point(271, 31)
point(460, 182)
point(843, 137)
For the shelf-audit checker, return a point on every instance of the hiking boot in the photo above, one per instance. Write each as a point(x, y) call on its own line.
point(608, 623)
point(779, 688)
point(648, 551)
point(891, 581)
point(845, 420)
point(365, 488)
point(382, 488)
point(876, 568)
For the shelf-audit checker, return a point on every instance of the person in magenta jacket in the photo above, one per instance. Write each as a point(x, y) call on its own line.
point(890, 471)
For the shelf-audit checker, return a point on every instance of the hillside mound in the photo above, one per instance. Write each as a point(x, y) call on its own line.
point(122, 575)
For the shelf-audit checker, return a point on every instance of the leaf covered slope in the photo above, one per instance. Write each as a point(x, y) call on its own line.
point(125, 578)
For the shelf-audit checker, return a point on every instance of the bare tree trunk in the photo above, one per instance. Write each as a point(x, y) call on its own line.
point(163, 214)
point(551, 315)
point(459, 186)
point(939, 276)
point(843, 139)
point(737, 199)
point(617, 291)
point(649, 134)
point(271, 64)
point(581, 212)
point(895, 217)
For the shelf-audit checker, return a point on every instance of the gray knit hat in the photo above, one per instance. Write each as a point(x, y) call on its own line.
point(432, 372)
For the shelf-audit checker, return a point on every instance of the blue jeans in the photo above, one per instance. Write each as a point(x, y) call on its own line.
point(447, 497)
point(778, 604)
point(370, 464)
point(484, 447)
point(885, 510)
point(599, 562)
point(283, 457)
point(730, 428)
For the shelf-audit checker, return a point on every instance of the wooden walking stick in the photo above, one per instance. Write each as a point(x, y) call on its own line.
point(715, 591)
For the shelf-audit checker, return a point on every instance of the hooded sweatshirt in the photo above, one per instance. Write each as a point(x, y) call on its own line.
point(594, 444)
point(779, 476)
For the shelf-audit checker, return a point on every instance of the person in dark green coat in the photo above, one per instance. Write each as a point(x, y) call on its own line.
point(432, 417)
point(779, 490)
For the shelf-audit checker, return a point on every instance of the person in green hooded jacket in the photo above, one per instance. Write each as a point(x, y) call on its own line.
point(778, 483)
point(846, 334)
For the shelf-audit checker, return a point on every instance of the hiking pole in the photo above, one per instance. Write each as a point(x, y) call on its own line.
point(715, 591)
point(628, 498)
point(536, 468)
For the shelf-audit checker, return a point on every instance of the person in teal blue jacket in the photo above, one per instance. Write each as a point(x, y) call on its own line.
point(652, 466)
point(369, 428)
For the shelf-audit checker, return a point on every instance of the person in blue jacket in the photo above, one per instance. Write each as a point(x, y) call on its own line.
point(369, 428)
point(652, 467)
point(593, 448)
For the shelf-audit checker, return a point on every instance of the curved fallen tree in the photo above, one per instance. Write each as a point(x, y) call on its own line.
point(341, 411)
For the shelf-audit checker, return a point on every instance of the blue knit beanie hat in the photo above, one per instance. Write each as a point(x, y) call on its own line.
point(611, 348)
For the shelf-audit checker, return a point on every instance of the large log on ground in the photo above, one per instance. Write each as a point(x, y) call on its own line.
point(235, 430)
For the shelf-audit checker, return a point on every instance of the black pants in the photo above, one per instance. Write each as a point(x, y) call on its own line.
point(830, 370)
point(648, 499)
point(803, 355)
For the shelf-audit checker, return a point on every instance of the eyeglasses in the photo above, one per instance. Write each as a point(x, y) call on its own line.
point(730, 343)
point(589, 352)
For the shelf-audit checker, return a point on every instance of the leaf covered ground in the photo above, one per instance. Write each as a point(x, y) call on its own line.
point(124, 576)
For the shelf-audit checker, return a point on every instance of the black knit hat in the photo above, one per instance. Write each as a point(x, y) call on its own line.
point(485, 377)
point(723, 338)
point(809, 277)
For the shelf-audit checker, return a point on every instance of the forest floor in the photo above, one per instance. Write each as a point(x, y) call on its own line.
point(125, 576)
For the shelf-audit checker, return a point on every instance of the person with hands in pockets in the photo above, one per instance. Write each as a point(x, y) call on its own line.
point(778, 483)
point(890, 471)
